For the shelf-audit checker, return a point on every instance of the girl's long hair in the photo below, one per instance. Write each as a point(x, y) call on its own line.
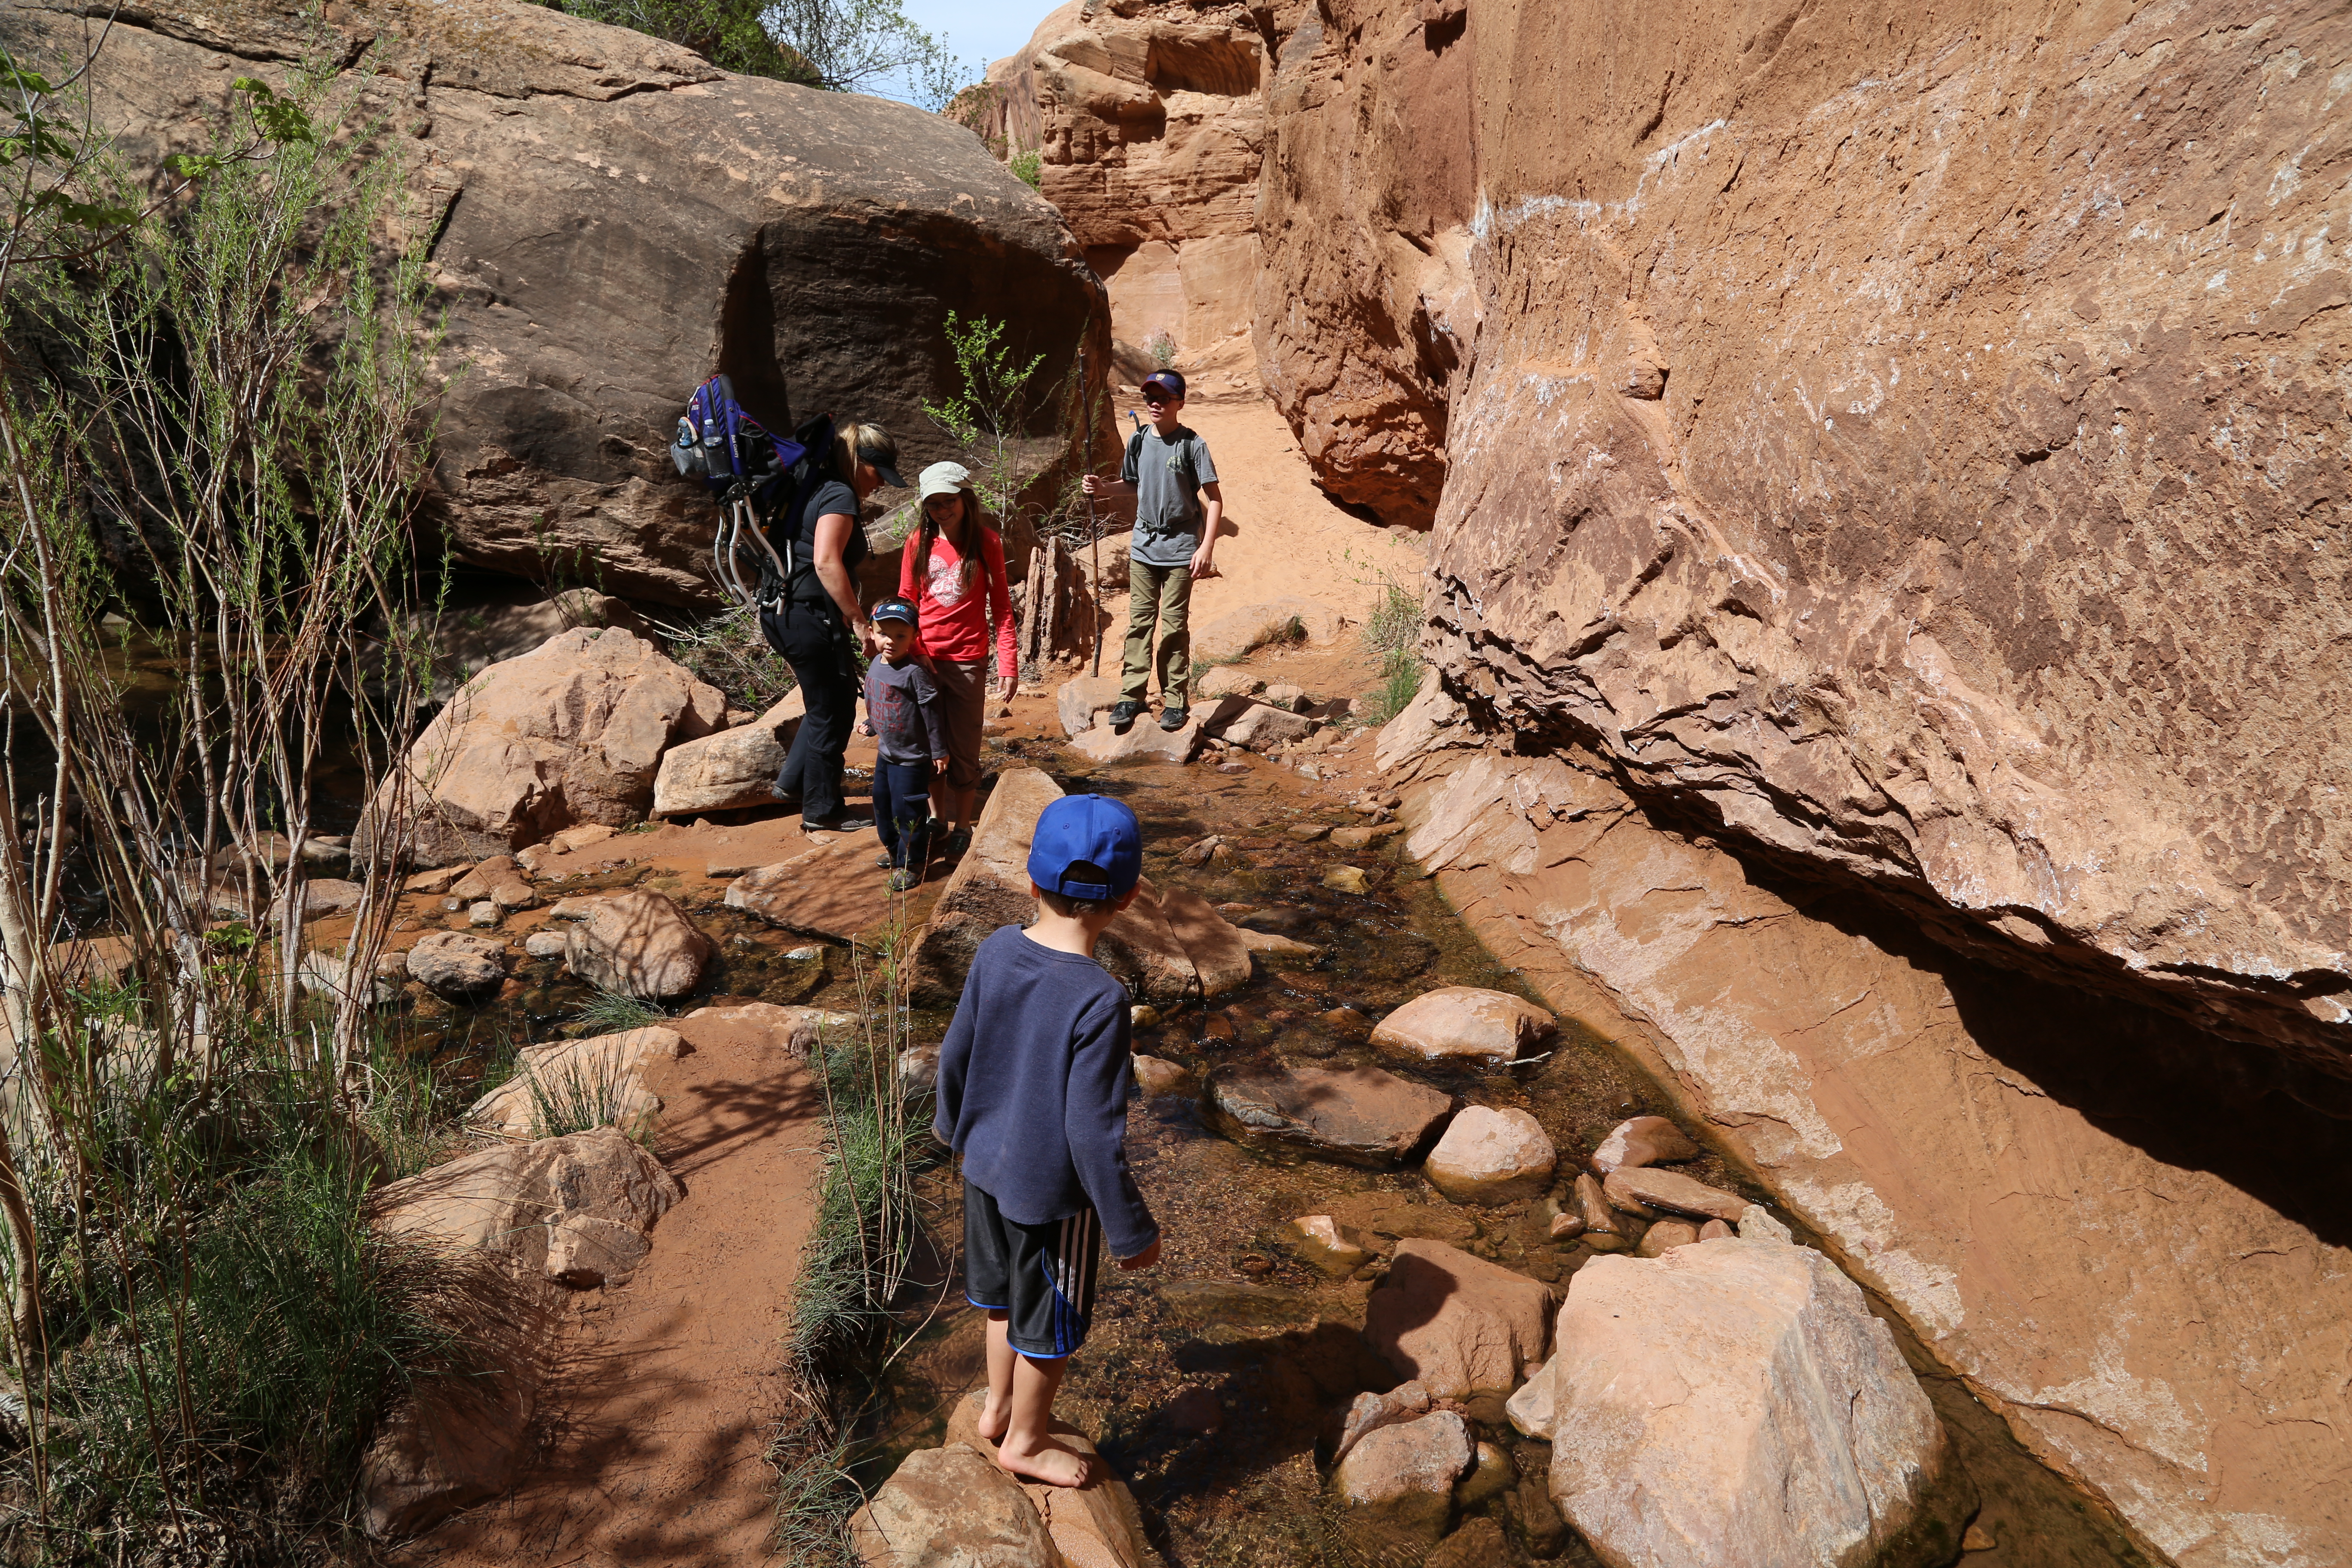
point(969, 518)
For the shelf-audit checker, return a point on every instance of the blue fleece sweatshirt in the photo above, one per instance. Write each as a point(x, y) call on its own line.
point(1032, 1088)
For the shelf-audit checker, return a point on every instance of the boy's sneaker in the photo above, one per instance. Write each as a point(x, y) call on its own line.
point(1123, 714)
point(1172, 717)
point(903, 881)
point(883, 862)
point(953, 846)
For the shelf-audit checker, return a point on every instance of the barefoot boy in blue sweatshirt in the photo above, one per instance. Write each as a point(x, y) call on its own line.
point(1033, 1093)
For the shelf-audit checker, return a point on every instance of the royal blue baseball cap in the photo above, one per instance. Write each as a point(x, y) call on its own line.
point(1090, 829)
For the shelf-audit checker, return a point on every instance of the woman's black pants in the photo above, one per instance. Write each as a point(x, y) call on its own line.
point(816, 643)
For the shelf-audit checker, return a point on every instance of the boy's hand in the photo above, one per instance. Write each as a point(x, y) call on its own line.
point(939, 767)
point(1143, 1259)
point(1090, 483)
point(1205, 563)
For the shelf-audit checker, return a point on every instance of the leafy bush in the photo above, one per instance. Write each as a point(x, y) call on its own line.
point(1028, 168)
point(1161, 348)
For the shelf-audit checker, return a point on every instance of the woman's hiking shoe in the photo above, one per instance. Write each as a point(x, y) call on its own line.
point(953, 846)
point(903, 881)
point(845, 823)
point(882, 861)
point(1124, 714)
point(1172, 717)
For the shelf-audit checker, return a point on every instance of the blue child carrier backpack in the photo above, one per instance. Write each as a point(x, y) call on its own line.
point(756, 475)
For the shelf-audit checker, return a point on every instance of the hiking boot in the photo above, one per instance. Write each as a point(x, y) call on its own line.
point(903, 879)
point(883, 862)
point(1122, 714)
point(1172, 717)
point(952, 847)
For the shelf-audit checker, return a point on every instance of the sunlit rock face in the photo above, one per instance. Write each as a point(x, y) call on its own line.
point(1909, 441)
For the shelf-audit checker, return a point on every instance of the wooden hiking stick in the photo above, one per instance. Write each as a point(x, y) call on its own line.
point(1094, 533)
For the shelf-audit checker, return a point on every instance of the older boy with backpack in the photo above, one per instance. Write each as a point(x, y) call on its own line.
point(1178, 505)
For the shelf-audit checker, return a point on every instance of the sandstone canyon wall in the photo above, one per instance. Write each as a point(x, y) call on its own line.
point(1887, 467)
point(1148, 121)
point(1911, 439)
point(612, 220)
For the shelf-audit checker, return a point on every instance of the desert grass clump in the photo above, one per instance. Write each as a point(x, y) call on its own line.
point(1392, 630)
point(614, 1012)
point(731, 652)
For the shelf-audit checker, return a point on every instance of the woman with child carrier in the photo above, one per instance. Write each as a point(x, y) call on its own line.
point(818, 626)
point(953, 572)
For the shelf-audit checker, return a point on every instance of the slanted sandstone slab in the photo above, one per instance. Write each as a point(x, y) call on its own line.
point(1643, 1141)
point(1455, 1322)
point(602, 1072)
point(1671, 1190)
point(1081, 703)
point(1360, 1116)
point(1466, 1025)
point(951, 1508)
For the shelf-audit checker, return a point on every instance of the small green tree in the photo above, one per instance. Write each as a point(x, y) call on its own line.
point(852, 44)
point(996, 400)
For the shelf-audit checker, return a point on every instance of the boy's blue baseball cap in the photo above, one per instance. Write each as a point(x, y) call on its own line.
point(1091, 828)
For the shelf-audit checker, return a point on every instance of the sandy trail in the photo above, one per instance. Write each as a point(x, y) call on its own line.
point(670, 1386)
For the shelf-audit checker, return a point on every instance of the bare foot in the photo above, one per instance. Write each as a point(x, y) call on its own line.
point(1049, 1462)
point(994, 1419)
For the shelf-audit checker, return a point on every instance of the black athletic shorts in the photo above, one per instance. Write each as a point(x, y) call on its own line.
point(1042, 1276)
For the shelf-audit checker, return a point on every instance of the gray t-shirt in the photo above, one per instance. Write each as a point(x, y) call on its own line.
point(1167, 475)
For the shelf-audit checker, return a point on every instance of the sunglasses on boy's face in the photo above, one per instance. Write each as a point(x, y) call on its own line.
point(1155, 400)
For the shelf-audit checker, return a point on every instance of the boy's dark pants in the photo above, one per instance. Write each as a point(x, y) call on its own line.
point(1159, 596)
point(902, 812)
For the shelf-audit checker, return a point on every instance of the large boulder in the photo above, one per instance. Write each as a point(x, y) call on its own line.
point(570, 1212)
point(733, 768)
point(1464, 1026)
point(569, 734)
point(1360, 1116)
point(600, 248)
point(1456, 1324)
point(1168, 946)
point(1736, 1403)
point(639, 943)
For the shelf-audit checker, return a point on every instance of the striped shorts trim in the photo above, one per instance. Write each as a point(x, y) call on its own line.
point(1042, 1277)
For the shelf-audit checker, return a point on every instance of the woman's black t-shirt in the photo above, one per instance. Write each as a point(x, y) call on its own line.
point(830, 497)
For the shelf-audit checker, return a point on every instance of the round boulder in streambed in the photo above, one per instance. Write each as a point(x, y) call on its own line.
point(1361, 1116)
point(1403, 1476)
point(1490, 1156)
point(638, 943)
point(454, 965)
point(1465, 1025)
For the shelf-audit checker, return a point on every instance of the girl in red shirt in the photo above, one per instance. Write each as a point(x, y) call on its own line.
point(953, 569)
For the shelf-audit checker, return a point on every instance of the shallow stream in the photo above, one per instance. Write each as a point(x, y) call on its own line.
point(1211, 1380)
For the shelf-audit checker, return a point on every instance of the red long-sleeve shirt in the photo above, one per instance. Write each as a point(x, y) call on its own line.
point(953, 621)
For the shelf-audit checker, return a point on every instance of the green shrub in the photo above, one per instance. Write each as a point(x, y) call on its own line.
point(731, 652)
point(1029, 168)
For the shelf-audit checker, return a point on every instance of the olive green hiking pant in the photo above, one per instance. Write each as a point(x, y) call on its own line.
point(1161, 598)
